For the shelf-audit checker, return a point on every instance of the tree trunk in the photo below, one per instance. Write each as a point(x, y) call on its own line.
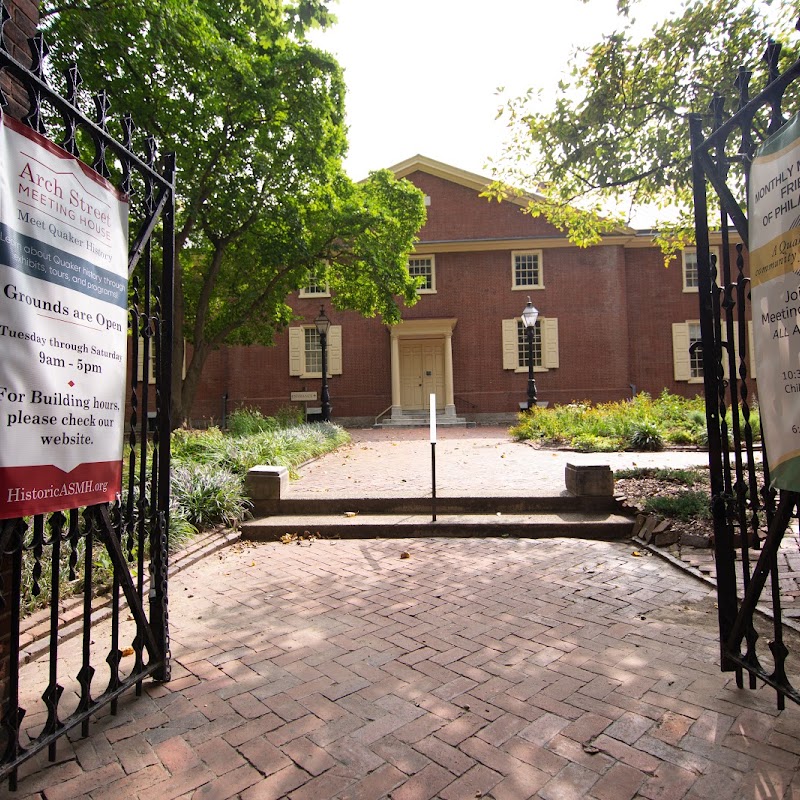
point(189, 385)
point(177, 412)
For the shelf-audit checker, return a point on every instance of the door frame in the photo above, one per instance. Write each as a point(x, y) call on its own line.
point(423, 329)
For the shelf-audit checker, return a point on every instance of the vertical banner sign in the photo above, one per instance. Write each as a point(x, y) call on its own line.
point(774, 210)
point(63, 328)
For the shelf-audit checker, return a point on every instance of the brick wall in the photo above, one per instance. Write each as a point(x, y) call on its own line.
point(615, 304)
point(21, 25)
point(24, 18)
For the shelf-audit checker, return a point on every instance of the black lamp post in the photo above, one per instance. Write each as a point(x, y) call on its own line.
point(323, 325)
point(529, 317)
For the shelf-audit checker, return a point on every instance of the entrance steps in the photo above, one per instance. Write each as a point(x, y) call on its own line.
point(598, 518)
point(423, 421)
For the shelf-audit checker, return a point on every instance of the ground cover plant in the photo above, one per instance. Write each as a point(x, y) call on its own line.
point(643, 423)
point(681, 494)
point(207, 488)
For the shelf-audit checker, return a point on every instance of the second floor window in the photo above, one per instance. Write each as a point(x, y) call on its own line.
point(423, 267)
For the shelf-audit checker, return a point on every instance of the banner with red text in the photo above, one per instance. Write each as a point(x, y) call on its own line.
point(774, 228)
point(63, 328)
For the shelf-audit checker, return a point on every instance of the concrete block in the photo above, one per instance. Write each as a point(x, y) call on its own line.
point(589, 481)
point(266, 483)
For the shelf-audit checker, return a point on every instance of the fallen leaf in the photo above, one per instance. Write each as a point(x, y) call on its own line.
point(405, 554)
point(127, 651)
point(590, 749)
point(636, 553)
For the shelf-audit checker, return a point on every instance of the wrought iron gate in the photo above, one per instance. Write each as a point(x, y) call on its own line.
point(743, 507)
point(138, 523)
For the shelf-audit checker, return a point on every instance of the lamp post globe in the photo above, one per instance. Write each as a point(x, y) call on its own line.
point(323, 324)
point(529, 316)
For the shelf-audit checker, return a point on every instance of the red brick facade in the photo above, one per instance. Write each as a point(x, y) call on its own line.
point(615, 305)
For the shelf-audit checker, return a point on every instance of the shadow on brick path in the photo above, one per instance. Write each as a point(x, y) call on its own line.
point(470, 668)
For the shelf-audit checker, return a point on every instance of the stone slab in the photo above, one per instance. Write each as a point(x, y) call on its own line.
point(591, 480)
point(266, 482)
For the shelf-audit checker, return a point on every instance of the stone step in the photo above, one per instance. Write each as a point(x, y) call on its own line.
point(423, 421)
point(353, 525)
point(405, 506)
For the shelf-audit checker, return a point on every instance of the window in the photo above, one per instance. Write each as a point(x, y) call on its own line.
point(527, 270)
point(687, 366)
point(151, 367)
point(690, 274)
point(696, 353)
point(312, 351)
point(305, 353)
point(688, 363)
point(425, 268)
point(522, 344)
point(315, 287)
point(151, 361)
point(545, 345)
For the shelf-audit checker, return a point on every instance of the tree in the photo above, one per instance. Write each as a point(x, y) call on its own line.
point(618, 134)
point(255, 116)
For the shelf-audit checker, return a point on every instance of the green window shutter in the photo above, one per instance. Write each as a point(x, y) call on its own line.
point(550, 342)
point(680, 351)
point(510, 344)
point(335, 350)
point(296, 351)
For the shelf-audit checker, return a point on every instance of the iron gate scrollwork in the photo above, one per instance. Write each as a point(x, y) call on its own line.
point(138, 523)
point(747, 519)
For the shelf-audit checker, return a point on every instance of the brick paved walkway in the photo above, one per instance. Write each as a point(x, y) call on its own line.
point(469, 461)
point(551, 669)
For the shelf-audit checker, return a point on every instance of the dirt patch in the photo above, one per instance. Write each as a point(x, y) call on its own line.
point(699, 614)
point(640, 489)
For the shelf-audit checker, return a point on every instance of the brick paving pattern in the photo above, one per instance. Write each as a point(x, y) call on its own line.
point(496, 668)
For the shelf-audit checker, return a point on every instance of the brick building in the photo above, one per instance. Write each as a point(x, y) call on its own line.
point(613, 320)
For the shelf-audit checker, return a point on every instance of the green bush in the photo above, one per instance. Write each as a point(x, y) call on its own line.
point(249, 421)
point(646, 436)
point(687, 477)
point(208, 495)
point(680, 436)
point(693, 504)
point(596, 444)
point(641, 423)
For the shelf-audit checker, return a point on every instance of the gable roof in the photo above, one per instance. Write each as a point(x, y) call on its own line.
point(472, 180)
point(462, 177)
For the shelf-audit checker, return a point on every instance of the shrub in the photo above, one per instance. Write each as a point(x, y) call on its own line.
point(208, 495)
point(687, 477)
point(596, 444)
point(583, 425)
point(248, 421)
point(289, 416)
point(646, 436)
point(693, 504)
point(680, 436)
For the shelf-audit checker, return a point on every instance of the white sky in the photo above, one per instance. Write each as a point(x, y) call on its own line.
point(422, 75)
